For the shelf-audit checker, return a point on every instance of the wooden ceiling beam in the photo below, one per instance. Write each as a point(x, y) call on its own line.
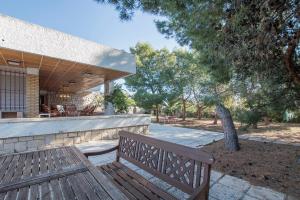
point(3, 58)
point(52, 71)
point(41, 61)
point(64, 74)
point(23, 62)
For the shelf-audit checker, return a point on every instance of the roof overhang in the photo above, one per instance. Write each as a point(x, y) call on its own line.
point(63, 60)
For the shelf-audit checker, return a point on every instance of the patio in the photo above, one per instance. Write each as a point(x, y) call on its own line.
point(222, 186)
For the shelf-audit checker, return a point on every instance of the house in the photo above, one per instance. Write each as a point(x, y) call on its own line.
point(39, 65)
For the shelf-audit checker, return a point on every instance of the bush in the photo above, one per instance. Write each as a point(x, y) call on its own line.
point(119, 100)
point(249, 117)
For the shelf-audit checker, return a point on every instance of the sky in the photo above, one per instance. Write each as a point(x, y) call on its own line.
point(89, 20)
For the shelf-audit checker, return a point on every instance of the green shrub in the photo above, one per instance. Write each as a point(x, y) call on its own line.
point(249, 117)
point(119, 100)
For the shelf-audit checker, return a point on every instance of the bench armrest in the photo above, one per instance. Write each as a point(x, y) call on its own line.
point(96, 153)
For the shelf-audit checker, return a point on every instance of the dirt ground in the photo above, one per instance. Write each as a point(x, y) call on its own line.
point(265, 164)
point(289, 132)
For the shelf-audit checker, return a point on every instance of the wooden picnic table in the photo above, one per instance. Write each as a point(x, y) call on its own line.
point(58, 173)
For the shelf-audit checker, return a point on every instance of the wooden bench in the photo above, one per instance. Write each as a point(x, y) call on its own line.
point(185, 168)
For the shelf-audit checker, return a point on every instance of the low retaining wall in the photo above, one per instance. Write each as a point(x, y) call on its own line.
point(29, 135)
point(30, 143)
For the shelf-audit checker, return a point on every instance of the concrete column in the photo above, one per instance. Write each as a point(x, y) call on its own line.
point(108, 88)
point(32, 92)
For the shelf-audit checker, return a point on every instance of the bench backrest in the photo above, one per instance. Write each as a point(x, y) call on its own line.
point(178, 165)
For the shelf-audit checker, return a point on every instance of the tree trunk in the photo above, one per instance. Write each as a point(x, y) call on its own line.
point(199, 112)
point(215, 118)
point(230, 135)
point(267, 121)
point(183, 109)
point(288, 58)
point(156, 112)
point(254, 125)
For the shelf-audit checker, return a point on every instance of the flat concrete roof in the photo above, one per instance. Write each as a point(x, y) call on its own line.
point(22, 36)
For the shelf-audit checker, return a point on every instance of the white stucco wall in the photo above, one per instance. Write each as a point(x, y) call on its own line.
point(19, 35)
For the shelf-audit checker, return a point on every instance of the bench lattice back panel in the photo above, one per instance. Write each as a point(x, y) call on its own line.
point(178, 165)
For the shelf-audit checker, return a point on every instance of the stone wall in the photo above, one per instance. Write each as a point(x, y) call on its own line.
point(80, 100)
point(32, 96)
point(36, 142)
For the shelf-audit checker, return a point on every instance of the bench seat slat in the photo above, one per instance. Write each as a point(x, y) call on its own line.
point(124, 183)
point(150, 186)
point(119, 186)
point(133, 183)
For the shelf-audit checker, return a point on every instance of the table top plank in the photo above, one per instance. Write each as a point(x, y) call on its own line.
point(73, 155)
point(2, 196)
point(35, 163)
point(69, 160)
point(75, 184)
point(56, 159)
point(12, 194)
point(60, 173)
point(2, 159)
point(45, 166)
point(62, 157)
point(17, 176)
point(43, 177)
point(94, 184)
point(34, 189)
point(54, 183)
point(24, 192)
point(43, 162)
point(28, 165)
point(87, 187)
point(5, 166)
point(11, 169)
point(66, 189)
point(107, 185)
point(3, 170)
point(20, 167)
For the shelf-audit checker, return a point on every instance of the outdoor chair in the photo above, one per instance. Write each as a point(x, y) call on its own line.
point(92, 110)
point(46, 111)
point(61, 110)
point(88, 110)
point(71, 110)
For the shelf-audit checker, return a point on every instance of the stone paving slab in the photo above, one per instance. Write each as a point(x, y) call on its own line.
point(235, 183)
point(264, 193)
point(223, 187)
point(220, 191)
point(184, 136)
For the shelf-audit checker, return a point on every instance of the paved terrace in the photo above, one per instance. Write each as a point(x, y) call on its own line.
point(223, 187)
